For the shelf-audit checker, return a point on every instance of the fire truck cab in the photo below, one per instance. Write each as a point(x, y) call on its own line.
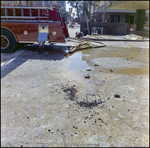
point(21, 24)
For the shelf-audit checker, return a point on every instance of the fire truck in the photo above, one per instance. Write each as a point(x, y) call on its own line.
point(28, 24)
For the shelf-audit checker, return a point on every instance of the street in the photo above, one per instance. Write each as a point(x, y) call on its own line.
point(47, 99)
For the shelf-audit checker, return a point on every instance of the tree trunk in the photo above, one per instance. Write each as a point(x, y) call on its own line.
point(90, 10)
point(78, 13)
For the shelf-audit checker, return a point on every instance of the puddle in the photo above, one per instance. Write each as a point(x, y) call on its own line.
point(130, 61)
point(77, 62)
point(136, 54)
point(133, 71)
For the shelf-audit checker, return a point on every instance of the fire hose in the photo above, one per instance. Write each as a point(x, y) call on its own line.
point(83, 44)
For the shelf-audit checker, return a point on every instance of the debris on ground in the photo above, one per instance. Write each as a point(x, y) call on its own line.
point(87, 76)
point(117, 96)
point(51, 131)
point(88, 36)
point(70, 26)
point(79, 34)
point(133, 37)
point(88, 69)
point(111, 70)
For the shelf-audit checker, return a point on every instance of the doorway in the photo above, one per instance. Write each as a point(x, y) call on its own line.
point(115, 18)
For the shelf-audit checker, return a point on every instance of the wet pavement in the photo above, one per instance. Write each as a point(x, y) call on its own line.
point(46, 100)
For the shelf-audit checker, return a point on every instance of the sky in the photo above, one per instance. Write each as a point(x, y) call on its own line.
point(68, 6)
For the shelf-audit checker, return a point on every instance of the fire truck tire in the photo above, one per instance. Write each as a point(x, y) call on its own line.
point(8, 41)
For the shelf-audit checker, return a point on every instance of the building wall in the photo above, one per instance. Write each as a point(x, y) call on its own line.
point(99, 15)
point(122, 18)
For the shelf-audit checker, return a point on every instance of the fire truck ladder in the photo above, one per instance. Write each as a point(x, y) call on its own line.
point(43, 29)
point(23, 17)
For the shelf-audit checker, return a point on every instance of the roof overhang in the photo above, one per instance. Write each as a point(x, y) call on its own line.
point(130, 5)
point(114, 11)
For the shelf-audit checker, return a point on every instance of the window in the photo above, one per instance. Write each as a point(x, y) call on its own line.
point(115, 18)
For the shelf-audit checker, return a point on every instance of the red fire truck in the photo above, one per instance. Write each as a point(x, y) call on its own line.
point(31, 24)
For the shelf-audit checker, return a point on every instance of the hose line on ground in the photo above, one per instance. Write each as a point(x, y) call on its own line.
point(83, 44)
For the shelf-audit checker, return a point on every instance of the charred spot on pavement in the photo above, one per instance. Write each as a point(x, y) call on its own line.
point(88, 104)
point(91, 100)
point(71, 92)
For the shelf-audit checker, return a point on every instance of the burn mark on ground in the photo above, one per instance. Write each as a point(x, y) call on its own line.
point(88, 104)
point(71, 92)
point(91, 100)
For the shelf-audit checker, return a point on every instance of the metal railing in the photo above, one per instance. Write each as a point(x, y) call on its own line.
point(23, 16)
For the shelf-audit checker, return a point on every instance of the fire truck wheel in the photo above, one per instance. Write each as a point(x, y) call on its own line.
point(8, 41)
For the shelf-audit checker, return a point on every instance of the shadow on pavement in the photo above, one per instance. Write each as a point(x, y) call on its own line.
point(141, 33)
point(51, 52)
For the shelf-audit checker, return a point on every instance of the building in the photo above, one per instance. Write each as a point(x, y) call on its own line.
point(141, 8)
point(103, 14)
point(110, 21)
point(128, 5)
point(134, 12)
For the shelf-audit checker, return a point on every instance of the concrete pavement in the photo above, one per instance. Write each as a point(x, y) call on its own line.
point(46, 100)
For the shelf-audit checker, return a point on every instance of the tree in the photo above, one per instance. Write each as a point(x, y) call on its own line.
point(90, 9)
point(63, 10)
point(83, 8)
point(65, 13)
point(75, 4)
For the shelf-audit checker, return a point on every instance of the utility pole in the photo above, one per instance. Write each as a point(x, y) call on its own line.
point(94, 6)
point(86, 18)
point(70, 11)
point(104, 12)
point(90, 9)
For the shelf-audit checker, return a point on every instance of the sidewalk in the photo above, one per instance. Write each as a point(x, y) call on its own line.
point(141, 33)
point(134, 35)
